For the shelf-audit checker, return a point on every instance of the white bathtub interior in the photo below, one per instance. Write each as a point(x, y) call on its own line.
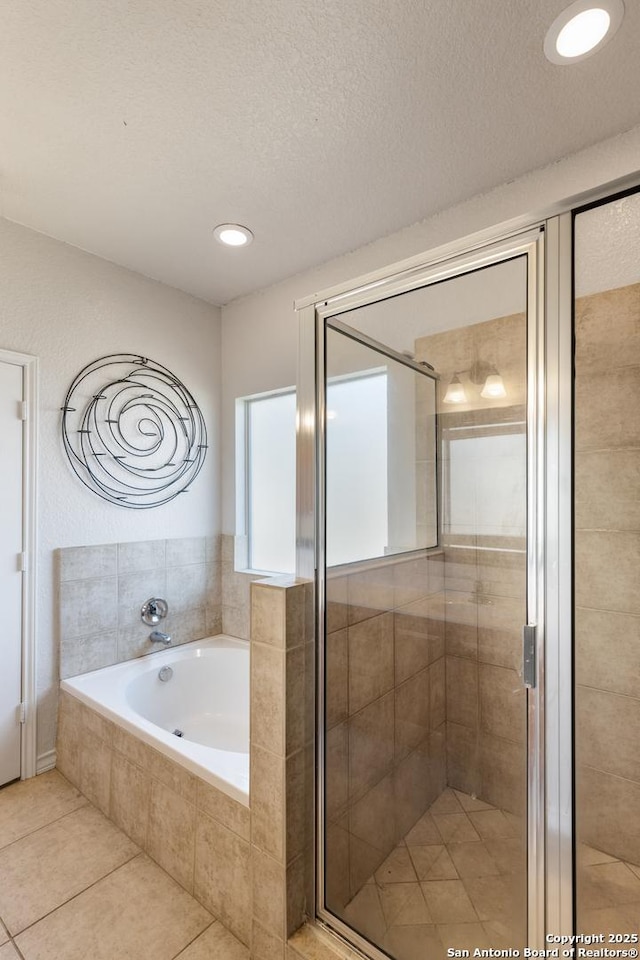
point(199, 716)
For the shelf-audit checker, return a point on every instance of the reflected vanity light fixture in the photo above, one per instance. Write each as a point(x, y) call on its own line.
point(493, 387)
point(480, 373)
point(455, 391)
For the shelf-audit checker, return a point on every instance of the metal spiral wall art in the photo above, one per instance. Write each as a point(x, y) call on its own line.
point(133, 432)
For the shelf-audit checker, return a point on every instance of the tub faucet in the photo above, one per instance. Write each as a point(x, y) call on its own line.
point(157, 636)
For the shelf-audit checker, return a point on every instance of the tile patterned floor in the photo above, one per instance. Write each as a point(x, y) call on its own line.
point(608, 893)
point(458, 880)
point(73, 886)
point(455, 880)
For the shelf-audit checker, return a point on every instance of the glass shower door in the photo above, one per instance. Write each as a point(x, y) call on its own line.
point(425, 741)
point(607, 569)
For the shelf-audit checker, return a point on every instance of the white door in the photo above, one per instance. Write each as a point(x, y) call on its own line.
point(11, 431)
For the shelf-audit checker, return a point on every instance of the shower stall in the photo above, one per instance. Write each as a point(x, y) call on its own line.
point(469, 506)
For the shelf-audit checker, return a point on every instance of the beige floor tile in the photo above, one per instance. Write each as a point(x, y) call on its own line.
point(4, 936)
point(497, 898)
point(492, 824)
point(509, 855)
point(471, 804)
point(473, 860)
point(455, 827)
point(603, 920)
point(463, 936)
point(433, 863)
point(397, 868)
point(9, 952)
point(607, 885)
point(137, 911)
point(447, 802)
point(502, 936)
point(424, 832)
point(518, 823)
point(631, 917)
point(45, 869)
point(216, 943)
point(403, 904)
point(448, 901)
point(414, 942)
point(30, 804)
point(364, 913)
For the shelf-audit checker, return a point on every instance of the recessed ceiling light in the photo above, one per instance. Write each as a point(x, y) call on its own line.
point(582, 29)
point(233, 235)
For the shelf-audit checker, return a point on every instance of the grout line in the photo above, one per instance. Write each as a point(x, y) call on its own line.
point(49, 824)
point(197, 936)
point(17, 949)
point(622, 613)
point(80, 892)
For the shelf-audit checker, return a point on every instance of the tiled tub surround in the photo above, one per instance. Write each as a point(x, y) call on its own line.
point(102, 588)
point(198, 834)
point(206, 697)
point(250, 867)
point(385, 712)
point(607, 572)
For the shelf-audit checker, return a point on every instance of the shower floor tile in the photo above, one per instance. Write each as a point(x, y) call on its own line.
point(455, 880)
point(608, 893)
point(72, 886)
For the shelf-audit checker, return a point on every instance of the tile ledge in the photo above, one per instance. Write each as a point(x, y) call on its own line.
point(282, 581)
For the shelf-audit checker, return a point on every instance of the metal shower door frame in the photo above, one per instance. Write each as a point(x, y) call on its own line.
point(313, 314)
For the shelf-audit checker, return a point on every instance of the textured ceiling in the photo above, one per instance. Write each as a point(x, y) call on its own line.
point(131, 127)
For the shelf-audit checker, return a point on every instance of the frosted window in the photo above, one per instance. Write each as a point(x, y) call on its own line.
point(357, 502)
point(487, 486)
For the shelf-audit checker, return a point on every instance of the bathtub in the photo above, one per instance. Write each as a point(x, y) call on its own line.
point(199, 717)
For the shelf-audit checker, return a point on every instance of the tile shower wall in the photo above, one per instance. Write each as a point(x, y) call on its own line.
point(102, 588)
point(484, 578)
point(385, 747)
point(236, 586)
point(486, 753)
point(607, 571)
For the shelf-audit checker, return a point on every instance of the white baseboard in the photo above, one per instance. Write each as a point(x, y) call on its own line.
point(46, 761)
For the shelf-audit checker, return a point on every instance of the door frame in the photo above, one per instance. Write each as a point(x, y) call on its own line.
point(30, 378)
point(313, 313)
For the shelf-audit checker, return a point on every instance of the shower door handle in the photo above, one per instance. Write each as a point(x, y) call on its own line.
point(529, 645)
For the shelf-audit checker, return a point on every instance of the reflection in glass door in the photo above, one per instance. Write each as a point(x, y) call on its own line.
point(424, 734)
point(607, 567)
